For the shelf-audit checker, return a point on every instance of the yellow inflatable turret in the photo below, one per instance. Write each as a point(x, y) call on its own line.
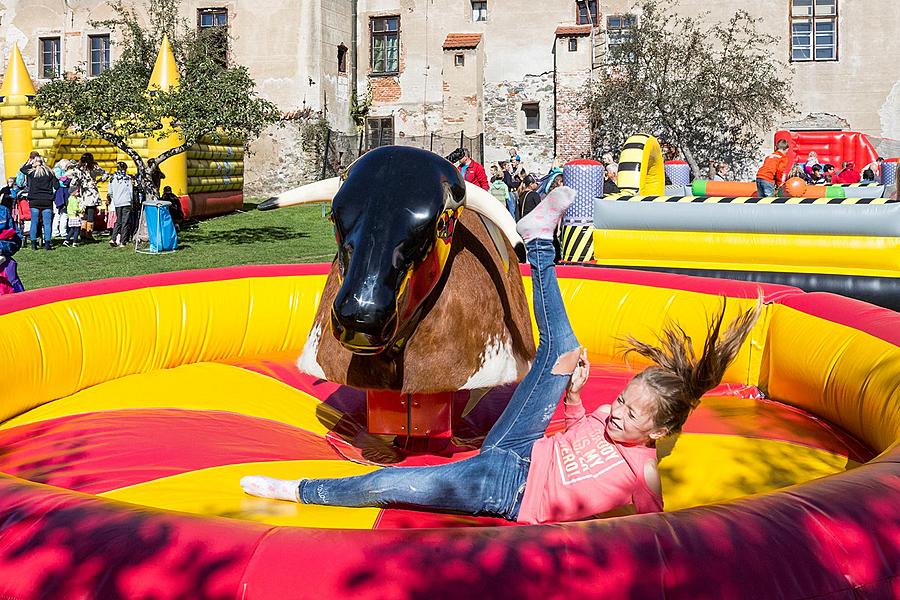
point(16, 115)
point(165, 77)
point(209, 177)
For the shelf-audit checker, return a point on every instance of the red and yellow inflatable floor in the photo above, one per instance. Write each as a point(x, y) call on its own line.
point(131, 408)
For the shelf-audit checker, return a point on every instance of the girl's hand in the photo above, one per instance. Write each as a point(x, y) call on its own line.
point(580, 374)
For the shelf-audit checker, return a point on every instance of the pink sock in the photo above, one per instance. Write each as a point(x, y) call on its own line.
point(541, 222)
point(269, 487)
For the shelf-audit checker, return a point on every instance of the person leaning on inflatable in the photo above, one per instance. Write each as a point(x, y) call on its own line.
point(771, 173)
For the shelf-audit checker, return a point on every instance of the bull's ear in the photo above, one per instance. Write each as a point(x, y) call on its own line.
point(319, 191)
point(480, 201)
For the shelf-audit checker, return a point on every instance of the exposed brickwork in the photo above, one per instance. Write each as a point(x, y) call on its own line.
point(573, 133)
point(385, 89)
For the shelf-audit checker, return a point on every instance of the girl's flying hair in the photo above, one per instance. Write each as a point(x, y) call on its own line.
point(678, 378)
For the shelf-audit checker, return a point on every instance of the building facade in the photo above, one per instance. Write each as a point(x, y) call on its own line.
point(511, 71)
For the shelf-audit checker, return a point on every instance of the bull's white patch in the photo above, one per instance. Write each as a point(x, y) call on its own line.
point(308, 362)
point(498, 365)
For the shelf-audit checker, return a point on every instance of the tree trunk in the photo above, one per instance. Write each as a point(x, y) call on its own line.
point(691, 161)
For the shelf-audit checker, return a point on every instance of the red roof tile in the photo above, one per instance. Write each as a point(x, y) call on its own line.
point(573, 30)
point(460, 41)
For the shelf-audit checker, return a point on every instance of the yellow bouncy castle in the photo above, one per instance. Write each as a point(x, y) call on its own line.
point(209, 177)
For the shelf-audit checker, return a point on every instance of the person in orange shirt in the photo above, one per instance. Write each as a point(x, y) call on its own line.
point(771, 173)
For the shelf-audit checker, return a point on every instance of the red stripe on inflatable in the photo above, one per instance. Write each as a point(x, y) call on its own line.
point(704, 285)
point(209, 204)
point(87, 289)
point(416, 519)
point(831, 538)
point(879, 322)
point(97, 452)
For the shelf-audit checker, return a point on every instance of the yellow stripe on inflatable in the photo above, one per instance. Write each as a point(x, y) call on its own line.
point(839, 255)
point(836, 372)
point(216, 492)
point(203, 386)
point(706, 469)
point(603, 312)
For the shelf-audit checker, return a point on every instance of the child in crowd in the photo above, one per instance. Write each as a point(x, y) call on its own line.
point(175, 209)
point(74, 209)
point(10, 243)
point(516, 475)
point(816, 177)
point(811, 162)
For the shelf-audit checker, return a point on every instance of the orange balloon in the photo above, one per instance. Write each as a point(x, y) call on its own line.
point(795, 187)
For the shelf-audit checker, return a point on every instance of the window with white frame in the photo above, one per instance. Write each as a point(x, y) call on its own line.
point(479, 11)
point(49, 59)
point(385, 33)
point(618, 31)
point(213, 24)
point(587, 12)
point(573, 44)
point(99, 58)
point(814, 30)
point(459, 60)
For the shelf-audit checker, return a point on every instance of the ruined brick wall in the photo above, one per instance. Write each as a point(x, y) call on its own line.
point(504, 121)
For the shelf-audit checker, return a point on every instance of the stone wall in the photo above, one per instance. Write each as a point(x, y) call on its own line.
point(279, 160)
point(504, 121)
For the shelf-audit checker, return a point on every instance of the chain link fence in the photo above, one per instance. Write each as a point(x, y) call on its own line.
point(341, 149)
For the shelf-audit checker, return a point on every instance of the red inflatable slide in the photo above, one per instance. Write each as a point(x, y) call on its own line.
point(833, 147)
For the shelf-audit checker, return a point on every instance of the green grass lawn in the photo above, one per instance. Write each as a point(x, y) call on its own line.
point(291, 235)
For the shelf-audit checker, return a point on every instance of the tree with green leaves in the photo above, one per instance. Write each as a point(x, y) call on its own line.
point(213, 99)
point(708, 89)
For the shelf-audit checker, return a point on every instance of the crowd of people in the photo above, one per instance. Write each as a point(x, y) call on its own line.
point(776, 170)
point(65, 202)
point(517, 188)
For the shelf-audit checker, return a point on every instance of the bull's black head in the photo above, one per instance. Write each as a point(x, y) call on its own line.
point(394, 218)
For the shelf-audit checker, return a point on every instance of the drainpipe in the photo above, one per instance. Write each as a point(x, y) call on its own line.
point(354, 13)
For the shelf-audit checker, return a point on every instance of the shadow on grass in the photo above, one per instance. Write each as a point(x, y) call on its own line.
point(252, 235)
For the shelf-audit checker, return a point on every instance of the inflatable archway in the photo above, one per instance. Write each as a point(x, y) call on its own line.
point(130, 408)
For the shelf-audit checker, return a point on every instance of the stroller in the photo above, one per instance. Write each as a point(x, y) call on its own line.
point(10, 243)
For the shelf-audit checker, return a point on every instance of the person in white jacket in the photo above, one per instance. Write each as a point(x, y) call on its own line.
point(120, 194)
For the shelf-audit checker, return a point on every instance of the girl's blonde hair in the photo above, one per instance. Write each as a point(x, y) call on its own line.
point(39, 168)
point(679, 378)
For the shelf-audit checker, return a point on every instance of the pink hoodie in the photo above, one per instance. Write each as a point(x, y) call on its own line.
point(582, 472)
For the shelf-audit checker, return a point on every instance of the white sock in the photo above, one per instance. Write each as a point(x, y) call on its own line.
point(269, 487)
point(541, 222)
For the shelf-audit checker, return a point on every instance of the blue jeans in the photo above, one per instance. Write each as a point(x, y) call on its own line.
point(765, 189)
point(493, 482)
point(511, 204)
point(46, 215)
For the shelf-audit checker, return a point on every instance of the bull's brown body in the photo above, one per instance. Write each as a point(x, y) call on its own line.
point(479, 301)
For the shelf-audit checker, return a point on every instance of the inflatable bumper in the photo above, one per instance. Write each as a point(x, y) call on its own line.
point(836, 536)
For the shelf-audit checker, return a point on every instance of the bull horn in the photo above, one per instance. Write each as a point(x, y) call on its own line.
point(480, 201)
point(319, 191)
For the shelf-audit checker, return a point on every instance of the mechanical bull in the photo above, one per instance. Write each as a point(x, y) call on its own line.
point(424, 295)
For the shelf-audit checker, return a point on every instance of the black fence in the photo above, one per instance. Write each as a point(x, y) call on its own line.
point(341, 149)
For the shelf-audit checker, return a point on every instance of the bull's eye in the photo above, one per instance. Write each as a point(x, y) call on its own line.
point(345, 253)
